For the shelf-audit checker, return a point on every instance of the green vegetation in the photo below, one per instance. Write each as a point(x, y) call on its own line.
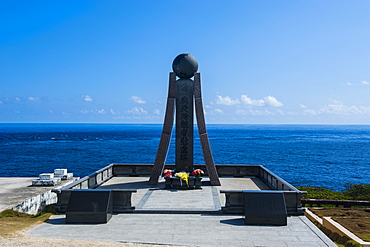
point(355, 219)
point(12, 221)
point(359, 192)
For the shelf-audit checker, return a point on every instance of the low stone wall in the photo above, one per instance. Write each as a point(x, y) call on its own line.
point(99, 177)
point(37, 203)
point(222, 170)
point(234, 199)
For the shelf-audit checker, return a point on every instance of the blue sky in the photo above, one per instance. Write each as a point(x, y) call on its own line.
point(261, 62)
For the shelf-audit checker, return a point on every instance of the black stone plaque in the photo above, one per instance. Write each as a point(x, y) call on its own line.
point(184, 124)
point(265, 208)
point(89, 206)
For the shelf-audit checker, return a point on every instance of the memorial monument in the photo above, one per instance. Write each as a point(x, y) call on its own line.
point(182, 94)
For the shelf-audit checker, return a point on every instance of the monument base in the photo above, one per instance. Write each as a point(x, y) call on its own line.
point(178, 184)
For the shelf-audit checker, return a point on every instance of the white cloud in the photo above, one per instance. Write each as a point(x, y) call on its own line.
point(137, 111)
point(18, 99)
point(242, 112)
point(112, 112)
point(102, 111)
point(249, 101)
point(96, 111)
point(84, 111)
point(226, 100)
point(264, 112)
point(157, 112)
point(138, 99)
point(268, 100)
point(303, 106)
point(272, 101)
point(33, 98)
point(338, 108)
point(361, 83)
point(87, 98)
point(309, 112)
point(218, 112)
point(282, 113)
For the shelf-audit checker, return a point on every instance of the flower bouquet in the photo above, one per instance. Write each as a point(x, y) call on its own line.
point(182, 180)
point(197, 173)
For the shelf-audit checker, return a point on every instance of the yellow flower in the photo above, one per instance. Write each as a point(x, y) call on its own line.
point(184, 176)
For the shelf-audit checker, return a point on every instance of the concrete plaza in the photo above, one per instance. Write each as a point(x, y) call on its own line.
point(184, 217)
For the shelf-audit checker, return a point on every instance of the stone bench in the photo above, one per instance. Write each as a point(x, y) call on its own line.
point(121, 200)
point(235, 202)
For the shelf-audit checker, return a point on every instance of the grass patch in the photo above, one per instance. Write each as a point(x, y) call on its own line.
point(356, 220)
point(12, 222)
point(360, 192)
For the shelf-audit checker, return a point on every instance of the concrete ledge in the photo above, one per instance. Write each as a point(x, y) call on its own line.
point(338, 228)
point(313, 217)
point(37, 203)
point(334, 226)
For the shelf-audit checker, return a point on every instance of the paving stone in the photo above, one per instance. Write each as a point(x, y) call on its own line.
point(193, 229)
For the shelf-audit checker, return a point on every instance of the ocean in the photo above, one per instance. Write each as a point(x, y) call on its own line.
point(315, 155)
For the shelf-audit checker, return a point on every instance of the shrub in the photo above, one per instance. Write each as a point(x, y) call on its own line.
point(352, 243)
point(322, 193)
point(358, 191)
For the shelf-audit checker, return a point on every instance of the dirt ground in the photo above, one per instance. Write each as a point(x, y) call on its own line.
point(356, 220)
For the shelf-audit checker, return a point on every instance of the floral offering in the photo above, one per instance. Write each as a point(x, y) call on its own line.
point(184, 176)
point(197, 173)
point(167, 173)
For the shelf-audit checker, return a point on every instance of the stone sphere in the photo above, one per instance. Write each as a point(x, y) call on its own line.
point(185, 65)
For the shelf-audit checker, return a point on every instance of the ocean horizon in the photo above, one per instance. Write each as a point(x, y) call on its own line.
point(302, 154)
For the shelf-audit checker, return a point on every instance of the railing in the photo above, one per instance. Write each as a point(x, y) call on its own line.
point(344, 203)
point(94, 180)
point(89, 182)
point(234, 200)
point(222, 170)
point(274, 181)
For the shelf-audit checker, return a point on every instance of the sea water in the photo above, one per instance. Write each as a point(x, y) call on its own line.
point(314, 155)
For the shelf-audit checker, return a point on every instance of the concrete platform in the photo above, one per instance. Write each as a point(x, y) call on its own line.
point(156, 198)
point(187, 229)
point(182, 217)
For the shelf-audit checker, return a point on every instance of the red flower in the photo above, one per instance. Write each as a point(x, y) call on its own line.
point(167, 173)
point(197, 173)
